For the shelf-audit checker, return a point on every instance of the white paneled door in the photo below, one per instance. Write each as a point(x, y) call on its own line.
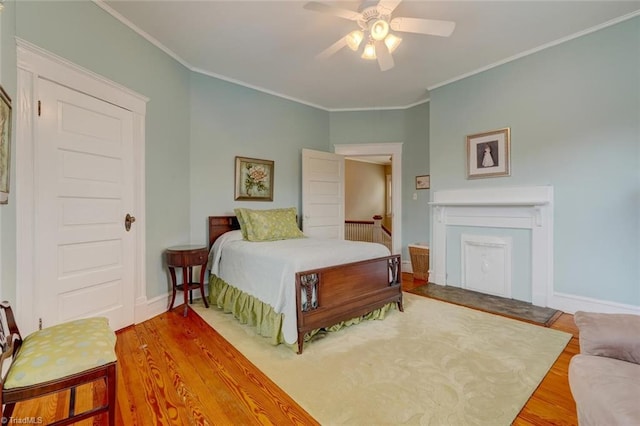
point(322, 194)
point(83, 190)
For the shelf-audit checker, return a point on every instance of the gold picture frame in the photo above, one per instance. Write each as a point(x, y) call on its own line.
point(5, 145)
point(254, 179)
point(488, 154)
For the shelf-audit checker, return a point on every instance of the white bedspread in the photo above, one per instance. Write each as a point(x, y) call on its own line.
point(266, 270)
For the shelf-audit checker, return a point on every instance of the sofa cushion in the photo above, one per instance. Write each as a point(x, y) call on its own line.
point(606, 390)
point(609, 335)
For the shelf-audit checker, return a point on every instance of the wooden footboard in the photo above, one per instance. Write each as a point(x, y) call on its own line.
point(342, 292)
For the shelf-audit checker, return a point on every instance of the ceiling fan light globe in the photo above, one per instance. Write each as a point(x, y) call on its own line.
point(379, 29)
point(392, 42)
point(354, 38)
point(369, 52)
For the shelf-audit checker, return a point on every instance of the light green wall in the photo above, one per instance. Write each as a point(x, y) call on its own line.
point(574, 113)
point(196, 125)
point(411, 128)
point(228, 120)
point(375, 126)
point(85, 34)
point(416, 215)
point(573, 110)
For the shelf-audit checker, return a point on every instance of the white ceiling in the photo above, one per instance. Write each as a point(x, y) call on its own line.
point(272, 45)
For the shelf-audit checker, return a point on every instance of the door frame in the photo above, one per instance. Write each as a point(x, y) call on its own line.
point(395, 151)
point(35, 63)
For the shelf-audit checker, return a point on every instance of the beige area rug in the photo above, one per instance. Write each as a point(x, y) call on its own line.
point(434, 364)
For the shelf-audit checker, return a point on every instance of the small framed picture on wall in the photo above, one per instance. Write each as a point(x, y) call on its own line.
point(488, 154)
point(423, 182)
point(254, 179)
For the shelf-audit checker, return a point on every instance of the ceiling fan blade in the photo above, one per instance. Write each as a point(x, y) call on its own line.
point(423, 26)
point(331, 10)
point(332, 49)
point(385, 60)
point(388, 5)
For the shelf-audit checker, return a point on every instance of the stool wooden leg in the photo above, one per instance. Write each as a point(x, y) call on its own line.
point(8, 412)
point(72, 402)
point(111, 393)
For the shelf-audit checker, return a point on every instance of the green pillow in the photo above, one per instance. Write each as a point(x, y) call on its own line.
point(241, 220)
point(271, 225)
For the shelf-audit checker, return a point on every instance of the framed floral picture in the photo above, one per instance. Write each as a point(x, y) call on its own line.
point(488, 154)
point(5, 145)
point(254, 179)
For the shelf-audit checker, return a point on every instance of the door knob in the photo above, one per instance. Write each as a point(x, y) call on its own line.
point(128, 220)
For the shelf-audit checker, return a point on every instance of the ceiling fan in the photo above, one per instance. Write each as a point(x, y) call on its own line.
point(375, 23)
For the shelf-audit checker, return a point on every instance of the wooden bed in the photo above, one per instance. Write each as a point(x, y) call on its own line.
point(343, 291)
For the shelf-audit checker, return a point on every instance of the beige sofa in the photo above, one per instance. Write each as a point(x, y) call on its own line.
point(605, 376)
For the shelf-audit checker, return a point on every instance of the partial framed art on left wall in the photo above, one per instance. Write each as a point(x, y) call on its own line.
point(5, 145)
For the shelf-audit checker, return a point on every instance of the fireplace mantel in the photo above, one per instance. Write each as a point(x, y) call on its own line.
point(507, 196)
point(510, 207)
point(491, 203)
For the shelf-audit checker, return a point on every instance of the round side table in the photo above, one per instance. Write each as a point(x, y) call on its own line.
point(186, 257)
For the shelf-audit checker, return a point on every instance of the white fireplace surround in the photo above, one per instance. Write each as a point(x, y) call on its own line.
point(528, 207)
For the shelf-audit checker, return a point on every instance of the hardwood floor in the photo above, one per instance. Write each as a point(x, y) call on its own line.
point(177, 371)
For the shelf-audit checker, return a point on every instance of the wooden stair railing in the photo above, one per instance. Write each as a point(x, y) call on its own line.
point(366, 230)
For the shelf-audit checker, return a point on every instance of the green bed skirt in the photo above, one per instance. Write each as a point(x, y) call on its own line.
point(268, 323)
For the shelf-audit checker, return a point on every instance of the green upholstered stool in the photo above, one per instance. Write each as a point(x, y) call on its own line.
point(58, 358)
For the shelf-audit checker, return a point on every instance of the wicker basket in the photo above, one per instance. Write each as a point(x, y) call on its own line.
point(419, 261)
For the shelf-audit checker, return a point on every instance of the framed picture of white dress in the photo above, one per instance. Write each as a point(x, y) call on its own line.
point(488, 154)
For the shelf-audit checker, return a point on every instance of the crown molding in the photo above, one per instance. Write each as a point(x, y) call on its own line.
point(172, 54)
point(539, 48)
point(155, 42)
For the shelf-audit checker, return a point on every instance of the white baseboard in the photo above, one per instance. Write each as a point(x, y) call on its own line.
point(406, 267)
point(149, 308)
point(140, 313)
point(570, 304)
point(158, 305)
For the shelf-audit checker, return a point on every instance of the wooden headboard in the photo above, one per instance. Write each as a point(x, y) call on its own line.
point(218, 225)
